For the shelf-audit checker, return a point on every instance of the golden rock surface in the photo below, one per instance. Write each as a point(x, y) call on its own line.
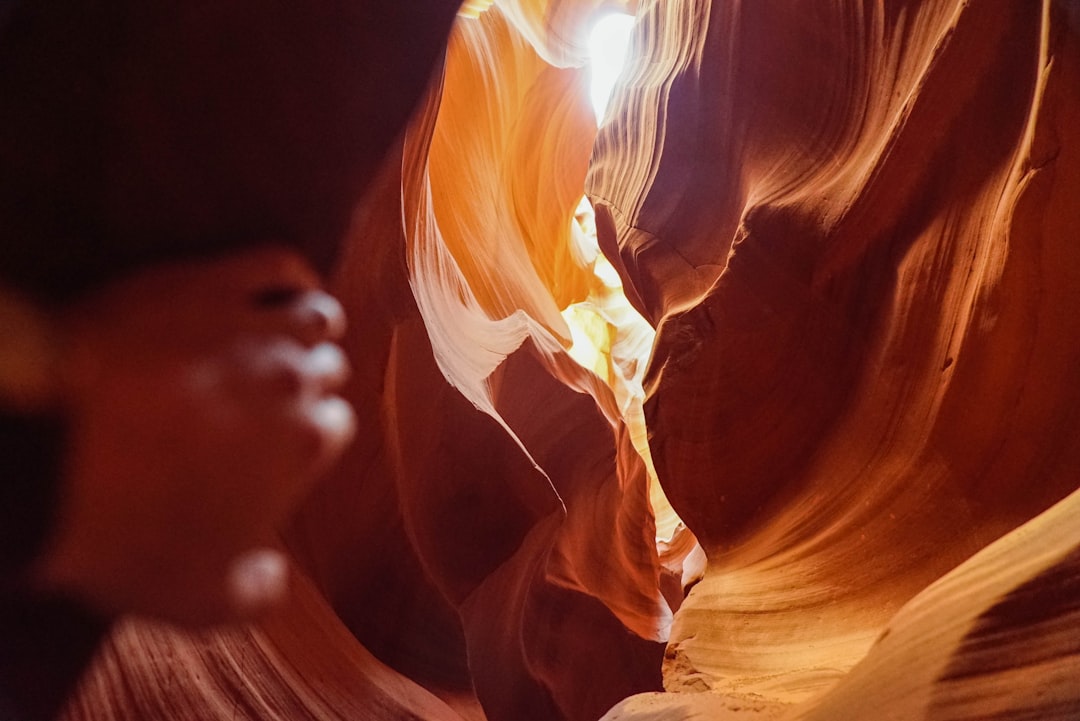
point(853, 226)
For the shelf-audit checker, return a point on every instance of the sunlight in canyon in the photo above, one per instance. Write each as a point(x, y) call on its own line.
point(609, 43)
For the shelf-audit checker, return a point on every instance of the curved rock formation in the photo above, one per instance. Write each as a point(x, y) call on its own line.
point(494, 501)
point(852, 225)
point(864, 369)
point(302, 664)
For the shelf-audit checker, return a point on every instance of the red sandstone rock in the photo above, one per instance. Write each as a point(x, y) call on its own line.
point(853, 227)
point(857, 267)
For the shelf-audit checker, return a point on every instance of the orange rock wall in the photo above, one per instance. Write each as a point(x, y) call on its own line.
point(857, 245)
point(853, 227)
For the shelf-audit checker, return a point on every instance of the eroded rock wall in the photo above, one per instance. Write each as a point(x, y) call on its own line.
point(853, 226)
point(857, 244)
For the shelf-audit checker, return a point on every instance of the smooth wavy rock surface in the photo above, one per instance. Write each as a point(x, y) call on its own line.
point(853, 226)
point(494, 502)
point(838, 483)
point(993, 639)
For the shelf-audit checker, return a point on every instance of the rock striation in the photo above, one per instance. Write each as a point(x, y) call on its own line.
point(838, 483)
point(855, 245)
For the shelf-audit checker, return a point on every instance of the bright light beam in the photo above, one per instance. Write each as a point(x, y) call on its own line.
point(608, 45)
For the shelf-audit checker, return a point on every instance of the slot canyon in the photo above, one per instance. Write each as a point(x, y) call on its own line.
point(757, 397)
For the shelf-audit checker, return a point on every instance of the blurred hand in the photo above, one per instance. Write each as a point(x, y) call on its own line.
point(202, 400)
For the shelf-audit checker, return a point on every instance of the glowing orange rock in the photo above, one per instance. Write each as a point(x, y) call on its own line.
point(854, 245)
point(852, 226)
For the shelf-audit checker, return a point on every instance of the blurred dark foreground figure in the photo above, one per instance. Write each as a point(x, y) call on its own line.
point(175, 177)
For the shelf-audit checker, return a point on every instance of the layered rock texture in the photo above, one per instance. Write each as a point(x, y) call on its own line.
point(855, 229)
